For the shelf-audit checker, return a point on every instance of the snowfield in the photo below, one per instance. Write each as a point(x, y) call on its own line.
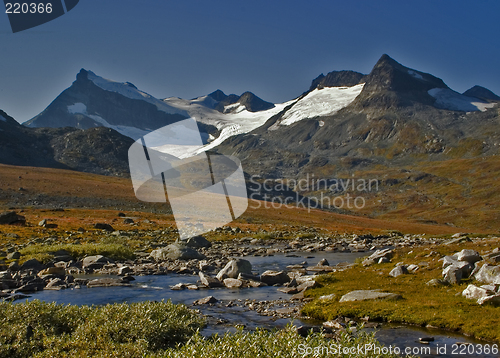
point(449, 99)
point(235, 120)
point(130, 91)
point(321, 102)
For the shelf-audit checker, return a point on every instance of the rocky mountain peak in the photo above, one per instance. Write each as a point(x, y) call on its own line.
point(391, 84)
point(338, 79)
point(481, 93)
point(218, 95)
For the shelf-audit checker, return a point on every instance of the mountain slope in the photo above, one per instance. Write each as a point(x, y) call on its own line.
point(95, 150)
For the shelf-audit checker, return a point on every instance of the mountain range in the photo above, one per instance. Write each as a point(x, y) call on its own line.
point(395, 124)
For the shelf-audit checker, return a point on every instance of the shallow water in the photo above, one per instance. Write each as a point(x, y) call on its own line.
point(155, 288)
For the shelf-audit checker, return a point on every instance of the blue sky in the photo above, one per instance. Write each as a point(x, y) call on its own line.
point(273, 48)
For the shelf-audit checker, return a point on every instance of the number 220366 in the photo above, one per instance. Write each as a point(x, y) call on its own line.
point(28, 8)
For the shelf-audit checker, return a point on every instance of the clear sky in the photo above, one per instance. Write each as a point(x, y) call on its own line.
point(273, 48)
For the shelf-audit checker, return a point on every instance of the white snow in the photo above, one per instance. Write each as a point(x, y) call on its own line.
point(3, 119)
point(321, 102)
point(449, 99)
point(77, 108)
point(130, 92)
point(229, 124)
point(415, 74)
point(234, 108)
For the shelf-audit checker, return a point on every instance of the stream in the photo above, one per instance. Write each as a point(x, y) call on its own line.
point(223, 319)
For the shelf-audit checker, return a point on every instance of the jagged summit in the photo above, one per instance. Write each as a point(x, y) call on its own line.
point(338, 79)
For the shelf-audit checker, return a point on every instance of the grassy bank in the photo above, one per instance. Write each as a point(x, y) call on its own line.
point(422, 305)
point(147, 329)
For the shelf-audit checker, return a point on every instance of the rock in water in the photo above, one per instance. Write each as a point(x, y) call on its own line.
point(176, 251)
point(233, 268)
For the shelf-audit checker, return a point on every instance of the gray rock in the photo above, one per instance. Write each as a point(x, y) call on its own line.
point(104, 226)
point(208, 281)
point(32, 264)
point(233, 268)
point(5, 275)
point(16, 255)
point(412, 268)
point(493, 300)
point(470, 256)
point(56, 283)
point(176, 251)
point(307, 285)
point(363, 295)
point(329, 297)
point(437, 282)
point(377, 255)
point(398, 271)
point(10, 217)
point(488, 274)
point(233, 283)
point(14, 266)
point(457, 240)
point(97, 261)
point(124, 270)
point(323, 262)
point(206, 300)
point(198, 242)
point(453, 274)
point(107, 282)
point(474, 292)
point(178, 287)
point(59, 271)
point(274, 277)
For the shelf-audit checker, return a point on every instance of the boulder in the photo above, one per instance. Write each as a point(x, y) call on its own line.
point(176, 251)
point(452, 274)
point(233, 268)
point(329, 297)
point(16, 255)
point(233, 283)
point(398, 271)
point(56, 283)
point(208, 281)
point(471, 256)
point(437, 282)
point(95, 262)
point(198, 242)
point(323, 262)
point(493, 300)
point(122, 271)
point(107, 282)
point(14, 266)
point(474, 292)
point(272, 277)
point(32, 286)
point(5, 275)
point(32, 264)
point(11, 217)
point(104, 226)
point(385, 253)
point(206, 300)
point(363, 295)
point(488, 274)
point(59, 271)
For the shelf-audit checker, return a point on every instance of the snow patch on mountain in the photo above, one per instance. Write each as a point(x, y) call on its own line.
point(454, 101)
point(321, 102)
point(130, 91)
point(415, 74)
point(132, 132)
